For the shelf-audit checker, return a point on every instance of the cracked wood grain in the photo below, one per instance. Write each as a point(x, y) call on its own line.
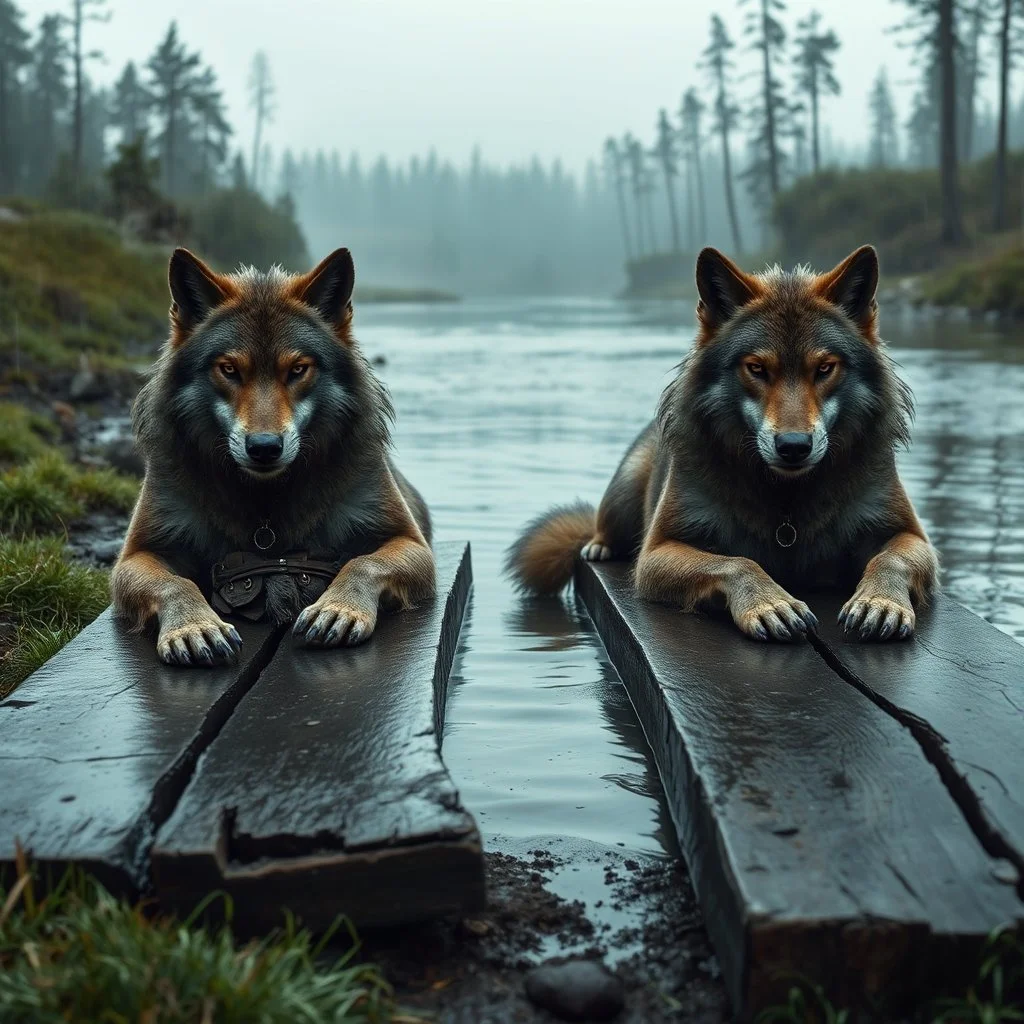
point(819, 837)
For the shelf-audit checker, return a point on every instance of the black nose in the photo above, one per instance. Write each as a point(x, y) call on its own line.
point(793, 448)
point(264, 447)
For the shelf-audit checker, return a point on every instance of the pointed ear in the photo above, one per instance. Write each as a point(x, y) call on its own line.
point(328, 288)
point(723, 289)
point(851, 286)
point(196, 291)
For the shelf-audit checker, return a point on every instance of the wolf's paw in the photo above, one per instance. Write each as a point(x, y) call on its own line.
point(876, 616)
point(335, 623)
point(209, 641)
point(595, 551)
point(775, 616)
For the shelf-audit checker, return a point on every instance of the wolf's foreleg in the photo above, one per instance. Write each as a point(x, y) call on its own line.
point(398, 574)
point(675, 573)
point(903, 574)
point(191, 632)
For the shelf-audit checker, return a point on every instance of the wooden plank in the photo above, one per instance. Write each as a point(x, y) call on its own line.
point(97, 745)
point(819, 838)
point(958, 686)
point(326, 794)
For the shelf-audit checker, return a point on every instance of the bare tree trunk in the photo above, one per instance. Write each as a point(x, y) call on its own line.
point(672, 212)
point(815, 150)
point(256, 142)
point(76, 149)
point(640, 234)
point(971, 86)
point(730, 198)
point(6, 168)
point(769, 110)
point(702, 213)
point(623, 215)
point(952, 226)
point(999, 185)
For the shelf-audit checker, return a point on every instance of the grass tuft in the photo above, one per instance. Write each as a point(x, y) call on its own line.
point(44, 601)
point(23, 435)
point(79, 954)
point(48, 492)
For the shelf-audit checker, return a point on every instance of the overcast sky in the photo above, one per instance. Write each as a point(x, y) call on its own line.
point(516, 77)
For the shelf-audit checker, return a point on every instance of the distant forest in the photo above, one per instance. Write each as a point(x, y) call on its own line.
point(750, 123)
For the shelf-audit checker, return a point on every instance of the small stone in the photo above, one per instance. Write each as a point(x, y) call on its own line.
point(88, 386)
point(123, 456)
point(475, 927)
point(106, 551)
point(379, 360)
point(578, 990)
point(1003, 871)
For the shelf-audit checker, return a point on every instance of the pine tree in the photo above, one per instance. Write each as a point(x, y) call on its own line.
point(14, 55)
point(635, 162)
point(718, 64)
point(82, 13)
point(174, 82)
point(769, 39)
point(48, 95)
point(665, 149)
point(211, 129)
point(816, 75)
point(934, 25)
point(130, 105)
point(616, 175)
point(261, 99)
point(1009, 49)
point(884, 138)
point(976, 18)
point(691, 115)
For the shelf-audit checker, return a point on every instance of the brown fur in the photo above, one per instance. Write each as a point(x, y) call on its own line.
point(701, 495)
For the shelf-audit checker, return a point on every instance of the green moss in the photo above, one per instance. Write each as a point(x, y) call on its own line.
point(81, 955)
point(823, 217)
point(991, 284)
point(69, 284)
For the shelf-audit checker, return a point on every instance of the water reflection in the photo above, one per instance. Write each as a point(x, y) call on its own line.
point(508, 407)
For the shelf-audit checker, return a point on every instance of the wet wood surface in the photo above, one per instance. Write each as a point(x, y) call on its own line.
point(326, 793)
point(959, 688)
point(820, 838)
point(98, 744)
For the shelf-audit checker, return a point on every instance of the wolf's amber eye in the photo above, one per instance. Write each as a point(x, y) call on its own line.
point(229, 370)
point(826, 367)
point(299, 370)
point(756, 369)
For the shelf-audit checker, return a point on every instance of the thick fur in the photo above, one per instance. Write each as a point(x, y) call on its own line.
point(542, 559)
point(700, 495)
point(340, 497)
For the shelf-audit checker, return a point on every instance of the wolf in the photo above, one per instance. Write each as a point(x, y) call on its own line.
point(769, 468)
point(269, 490)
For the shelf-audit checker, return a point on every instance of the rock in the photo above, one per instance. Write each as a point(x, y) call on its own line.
point(106, 551)
point(379, 360)
point(122, 455)
point(66, 417)
point(578, 990)
point(88, 386)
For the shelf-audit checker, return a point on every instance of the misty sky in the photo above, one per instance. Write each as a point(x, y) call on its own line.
point(517, 77)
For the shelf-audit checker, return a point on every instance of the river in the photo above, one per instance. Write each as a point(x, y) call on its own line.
point(506, 407)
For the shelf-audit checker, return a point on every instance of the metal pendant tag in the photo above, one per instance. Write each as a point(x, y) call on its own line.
point(785, 534)
point(264, 537)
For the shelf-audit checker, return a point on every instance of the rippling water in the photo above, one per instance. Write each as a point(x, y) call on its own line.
point(505, 408)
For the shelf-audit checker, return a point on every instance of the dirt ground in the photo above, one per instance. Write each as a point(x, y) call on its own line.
point(472, 971)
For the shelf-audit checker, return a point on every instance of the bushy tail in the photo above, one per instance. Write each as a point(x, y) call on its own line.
point(541, 561)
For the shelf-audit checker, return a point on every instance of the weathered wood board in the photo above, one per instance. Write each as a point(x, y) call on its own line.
point(326, 793)
point(97, 746)
point(819, 837)
point(959, 688)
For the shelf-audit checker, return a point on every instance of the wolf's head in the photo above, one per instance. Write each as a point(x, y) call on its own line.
point(788, 367)
point(263, 364)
